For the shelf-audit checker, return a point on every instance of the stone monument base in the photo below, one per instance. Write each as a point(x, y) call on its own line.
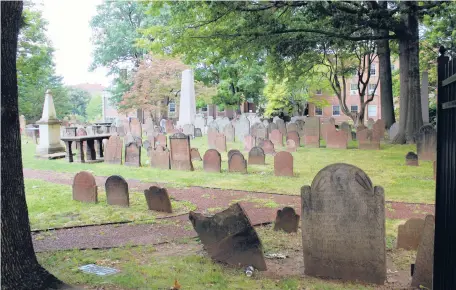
point(49, 150)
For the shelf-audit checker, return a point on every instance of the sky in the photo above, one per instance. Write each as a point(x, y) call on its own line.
point(70, 34)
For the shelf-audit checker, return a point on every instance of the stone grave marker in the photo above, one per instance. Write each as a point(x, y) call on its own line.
point(266, 124)
point(135, 128)
point(132, 154)
point(147, 146)
point(393, 130)
point(229, 133)
point(370, 123)
point(150, 127)
point(286, 220)
point(272, 126)
point(212, 161)
point(222, 122)
point(200, 122)
point(426, 143)
point(237, 163)
point(161, 140)
point(312, 132)
point(22, 124)
point(409, 234)
point(220, 142)
point(276, 138)
point(258, 130)
point(180, 152)
point(283, 164)
point(113, 150)
point(281, 126)
point(242, 128)
point(169, 126)
point(256, 156)
point(336, 139)
point(411, 159)
point(211, 137)
point(158, 199)
point(231, 152)
point(300, 124)
point(267, 147)
point(368, 140)
point(126, 126)
point(424, 263)
point(159, 157)
point(293, 135)
point(189, 130)
point(379, 128)
point(347, 129)
point(324, 127)
point(292, 127)
point(249, 143)
point(117, 191)
point(198, 132)
point(213, 125)
point(85, 187)
point(194, 153)
point(291, 145)
point(343, 208)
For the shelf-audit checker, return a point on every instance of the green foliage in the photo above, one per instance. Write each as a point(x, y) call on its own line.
point(94, 109)
point(78, 100)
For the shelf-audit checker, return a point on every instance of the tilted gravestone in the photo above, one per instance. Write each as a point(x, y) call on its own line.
point(117, 191)
point(343, 208)
point(113, 150)
point(159, 158)
point(336, 139)
point(283, 164)
point(286, 220)
point(229, 237)
point(267, 147)
point(220, 142)
point(180, 152)
point(158, 199)
point(426, 143)
point(132, 154)
point(293, 135)
point(242, 128)
point(411, 159)
point(231, 152)
point(211, 137)
point(276, 138)
point(229, 133)
point(198, 132)
point(237, 163)
point(194, 153)
point(312, 132)
point(291, 145)
point(249, 143)
point(212, 161)
point(256, 156)
point(135, 128)
point(85, 187)
point(367, 139)
point(409, 234)
point(424, 263)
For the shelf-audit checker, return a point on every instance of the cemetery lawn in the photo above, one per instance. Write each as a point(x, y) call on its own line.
point(51, 205)
point(385, 167)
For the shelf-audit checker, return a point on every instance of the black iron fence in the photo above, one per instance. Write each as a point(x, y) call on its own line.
point(445, 203)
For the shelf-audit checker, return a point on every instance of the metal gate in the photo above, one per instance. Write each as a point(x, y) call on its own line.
point(445, 202)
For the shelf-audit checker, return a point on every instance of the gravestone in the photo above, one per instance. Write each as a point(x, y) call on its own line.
point(393, 130)
point(276, 138)
point(258, 130)
point(132, 154)
point(426, 143)
point(211, 138)
point(424, 263)
point(198, 132)
point(213, 125)
point(161, 140)
point(220, 142)
point(324, 127)
point(194, 153)
point(291, 145)
point(292, 127)
point(370, 123)
point(267, 147)
point(135, 128)
point(266, 124)
point(237, 163)
point(256, 156)
point(343, 208)
point(147, 145)
point(411, 159)
point(249, 143)
point(212, 161)
point(300, 124)
point(231, 152)
point(150, 127)
point(347, 129)
point(229, 237)
point(85, 187)
point(409, 234)
point(189, 130)
point(229, 133)
point(159, 157)
point(281, 126)
point(242, 128)
point(283, 164)
point(117, 191)
point(312, 132)
point(126, 126)
point(336, 139)
point(113, 150)
point(169, 126)
point(158, 199)
point(200, 122)
point(367, 139)
point(222, 122)
point(293, 135)
point(379, 128)
point(286, 220)
point(272, 126)
point(180, 152)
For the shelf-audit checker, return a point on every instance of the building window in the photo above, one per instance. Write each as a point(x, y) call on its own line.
point(336, 110)
point(172, 107)
point(204, 109)
point(318, 111)
point(372, 69)
point(371, 88)
point(318, 92)
point(372, 110)
point(354, 109)
point(353, 89)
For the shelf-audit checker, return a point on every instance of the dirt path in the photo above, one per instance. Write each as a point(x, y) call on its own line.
point(260, 207)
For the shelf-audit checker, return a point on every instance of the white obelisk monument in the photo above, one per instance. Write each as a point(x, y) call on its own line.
point(49, 129)
point(187, 105)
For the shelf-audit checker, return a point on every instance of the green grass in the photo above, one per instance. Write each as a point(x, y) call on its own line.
point(51, 205)
point(386, 167)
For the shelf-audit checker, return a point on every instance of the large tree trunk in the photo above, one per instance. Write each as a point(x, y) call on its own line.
point(386, 82)
point(20, 268)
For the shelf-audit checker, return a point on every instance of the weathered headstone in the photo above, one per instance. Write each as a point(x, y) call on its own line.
point(256, 156)
point(161, 140)
point(312, 132)
point(281, 126)
point(113, 150)
point(158, 199)
point(237, 163)
point(300, 124)
point(126, 126)
point(147, 145)
point(194, 153)
point(393, 130)
point(409, 234)
point(200, 122)
point(212, 161)
point(258, 130)
point(198, 132)
point(135, 128)
point(283, 164)
point(379, 128)
point(249, 143)
point(426, 143)
point(189, 130)
point(293, 135)
point(231, 152)
point(242, 128)
point(424, 263)
point(286, 220)
point(343, 208)
point(229, 237)
point(117, 191)
point(370, 123)
point(272, 126)
point(180, 152)
point(292, 127)
point(85, 187)
point(336, 139)
point(159, 157)
point(367, 139)
point(411, 159)
point(229, 133)
point(132, 154)
point(276, 138)
point(347, 129)
point(324, 126)
point(169, 126)
point(291, 145)
point(211, 137)
point(220, 142)
point(267, 147)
